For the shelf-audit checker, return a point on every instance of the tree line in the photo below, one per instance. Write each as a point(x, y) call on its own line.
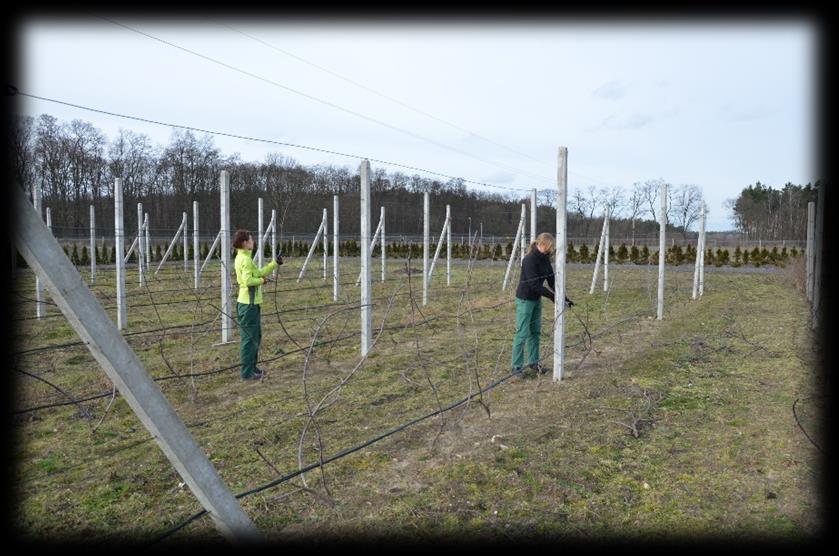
point(75, 166)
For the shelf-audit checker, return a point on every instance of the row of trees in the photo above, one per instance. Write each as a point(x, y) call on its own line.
point(624, 254)
point(763, 213)
point(75, 166)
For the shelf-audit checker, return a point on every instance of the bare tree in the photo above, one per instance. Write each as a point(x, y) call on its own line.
point(686, 206)
point(635, 205)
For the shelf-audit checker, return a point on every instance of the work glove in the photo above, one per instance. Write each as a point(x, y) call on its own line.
point(279, 260)
point(568, 302)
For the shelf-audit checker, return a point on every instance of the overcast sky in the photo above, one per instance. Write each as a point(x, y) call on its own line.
point(716, 104)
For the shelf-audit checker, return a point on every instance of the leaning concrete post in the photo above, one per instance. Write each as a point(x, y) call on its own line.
point(532, 216)
point(335, 244)
point(425, 246)
point(119, 245)
point(140, 245)
point(92, 246)
point(559, 269)
point(383, 242)
point(448, 245)
point(366, 281)
point(599, 256)
point(811, 233)
point(226, 319)
point(516, 241)
point(662, 223)
point(123, 367)
point(196, 251)
point(186, 241)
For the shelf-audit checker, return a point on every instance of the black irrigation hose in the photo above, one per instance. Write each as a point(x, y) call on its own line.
point(337, 456)
point(190, 375)
point(799, 422)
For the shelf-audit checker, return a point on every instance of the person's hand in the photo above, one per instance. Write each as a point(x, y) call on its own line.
point(279, 260)
point(568, 302)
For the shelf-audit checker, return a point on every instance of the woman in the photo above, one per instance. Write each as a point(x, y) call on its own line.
point(248, 304)
point(535, 268)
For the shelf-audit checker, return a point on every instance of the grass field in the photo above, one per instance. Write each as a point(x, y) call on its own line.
point(659, 429)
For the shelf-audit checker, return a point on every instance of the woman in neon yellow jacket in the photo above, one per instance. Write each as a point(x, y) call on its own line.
point(248, 304)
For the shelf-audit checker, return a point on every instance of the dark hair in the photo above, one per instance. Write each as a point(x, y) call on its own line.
point(241, 237)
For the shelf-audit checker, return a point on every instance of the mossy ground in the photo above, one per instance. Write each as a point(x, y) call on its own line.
point(719, 455)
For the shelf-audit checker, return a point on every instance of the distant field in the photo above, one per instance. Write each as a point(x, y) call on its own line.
point(666, 429)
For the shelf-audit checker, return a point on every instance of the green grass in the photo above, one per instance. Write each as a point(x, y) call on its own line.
point(550, 459)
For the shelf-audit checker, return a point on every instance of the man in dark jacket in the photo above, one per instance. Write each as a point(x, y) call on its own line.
point(535, 269)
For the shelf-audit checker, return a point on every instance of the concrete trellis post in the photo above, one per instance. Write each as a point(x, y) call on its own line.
point(325, 242)
point(36, 202)
point(121, 364)
point(119, 245)
point(532, 215)
point(702, 256)
point(818, 250)
point(148, 241)
point(274, 238)
point(606, 252)
point(224, 233)
point(259, 234)
point(811, 232)
point(699, 249)
point(523, 240)
point(599, 256)
point(383, 242)
point(196, 251)
point(140, 245)
point(425, 246)
point(559, 270)
point(335, 244)
point(662, 223)
point(366, 281)
point(92, 246)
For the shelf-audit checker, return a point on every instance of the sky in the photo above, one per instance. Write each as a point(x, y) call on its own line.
point(716, 104)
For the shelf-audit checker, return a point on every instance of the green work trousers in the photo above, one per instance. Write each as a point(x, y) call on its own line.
point(528, 328)
point(250, 333)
